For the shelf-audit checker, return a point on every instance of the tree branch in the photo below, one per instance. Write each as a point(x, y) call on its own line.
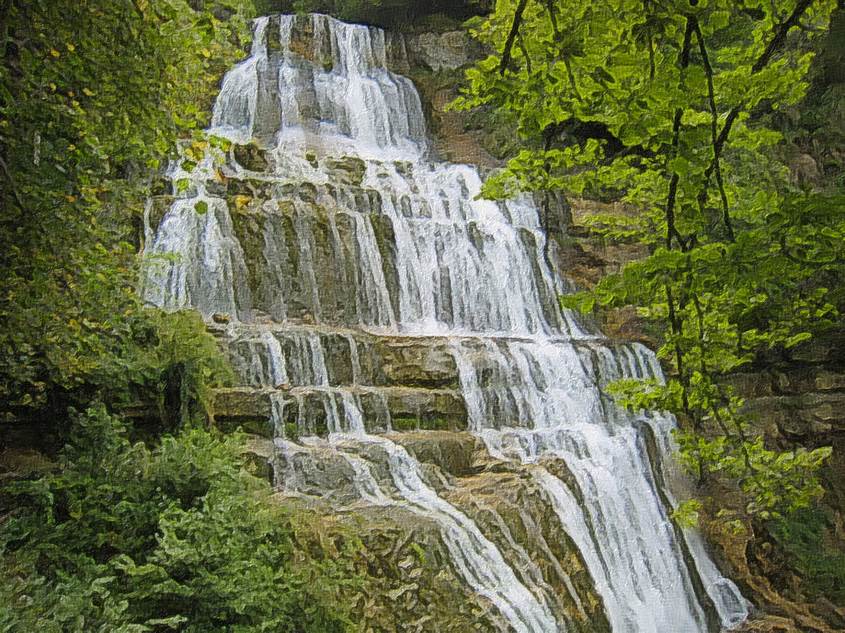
point(677, 330)
point(671, 231)
point(517, 22)
point(714, 126)
point(760, 64)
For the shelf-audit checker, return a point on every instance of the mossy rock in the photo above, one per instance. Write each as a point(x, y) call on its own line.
point(348, 170)
point(159, 207)
point(251, 157)
point(251, 187)
point(452, 452)
point(305, 191)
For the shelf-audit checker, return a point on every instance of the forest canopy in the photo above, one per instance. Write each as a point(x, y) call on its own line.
point(671, 108)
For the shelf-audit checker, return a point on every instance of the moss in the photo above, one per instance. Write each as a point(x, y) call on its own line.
point(251, 157)
point(249, 230)
point(291, 431)
point(806, 537)
point(407, 423)
point(436, 424)
point(404, 423)
point(419, 551)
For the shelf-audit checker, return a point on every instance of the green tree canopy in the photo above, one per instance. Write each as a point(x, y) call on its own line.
point(663, 105)
point(93, 96)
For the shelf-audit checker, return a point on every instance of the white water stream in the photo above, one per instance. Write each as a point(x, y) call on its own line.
point(314, 90)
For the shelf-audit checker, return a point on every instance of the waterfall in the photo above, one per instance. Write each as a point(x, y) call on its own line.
point(347, 232)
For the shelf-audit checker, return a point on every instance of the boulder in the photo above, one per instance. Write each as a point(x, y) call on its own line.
point(251, 157)
point(444, 51)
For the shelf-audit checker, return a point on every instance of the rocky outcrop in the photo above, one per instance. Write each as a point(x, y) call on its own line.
point(444, 51)
point(766, 578)
point(410, 580)
point(308, 410)
point(506, 503)
point(799, 395)
point(409, 583)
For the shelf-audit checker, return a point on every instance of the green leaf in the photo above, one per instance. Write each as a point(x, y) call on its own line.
point(792, 341)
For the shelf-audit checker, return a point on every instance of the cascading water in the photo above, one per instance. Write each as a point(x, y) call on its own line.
point(347, 230)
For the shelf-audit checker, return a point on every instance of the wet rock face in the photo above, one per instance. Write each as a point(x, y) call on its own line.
point(400, 383)
point(453, 453)
point(409, 552)
point(377, 311)
point(444, 51)
point(510, 507)
point(410, 585)
point(310, 411)
point(408, 362)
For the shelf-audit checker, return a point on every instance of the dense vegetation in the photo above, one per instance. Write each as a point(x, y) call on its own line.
point(697, 115)
point(125, 538)
point(668, 108)
point(117, 535)
point(406, 14)
point(94, 96)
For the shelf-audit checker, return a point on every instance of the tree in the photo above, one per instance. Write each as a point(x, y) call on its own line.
point(384, 13)
point(662, 105)
point(93, 97)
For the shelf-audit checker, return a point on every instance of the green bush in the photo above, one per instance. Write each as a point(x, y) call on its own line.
point(805, 538)
point(175, 365)
point(124, 538)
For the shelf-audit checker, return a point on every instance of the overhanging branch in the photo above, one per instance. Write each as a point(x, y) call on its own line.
point(774, 44)
point(507, 51)
point(714, 125)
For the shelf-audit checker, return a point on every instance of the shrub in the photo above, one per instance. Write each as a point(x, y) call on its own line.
point(124, 538)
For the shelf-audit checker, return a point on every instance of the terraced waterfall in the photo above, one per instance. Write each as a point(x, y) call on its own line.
point(402, 344)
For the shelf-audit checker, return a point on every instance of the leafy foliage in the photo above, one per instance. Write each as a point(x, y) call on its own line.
point(123, 538)
point(661, 105)
point(177, 366)
point(803, 538)
point(93, 96)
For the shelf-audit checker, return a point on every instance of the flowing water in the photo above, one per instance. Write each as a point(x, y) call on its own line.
point(360, 235)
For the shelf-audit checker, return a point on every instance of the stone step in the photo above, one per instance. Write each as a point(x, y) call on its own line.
point(311, 411)
point(349, 357)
